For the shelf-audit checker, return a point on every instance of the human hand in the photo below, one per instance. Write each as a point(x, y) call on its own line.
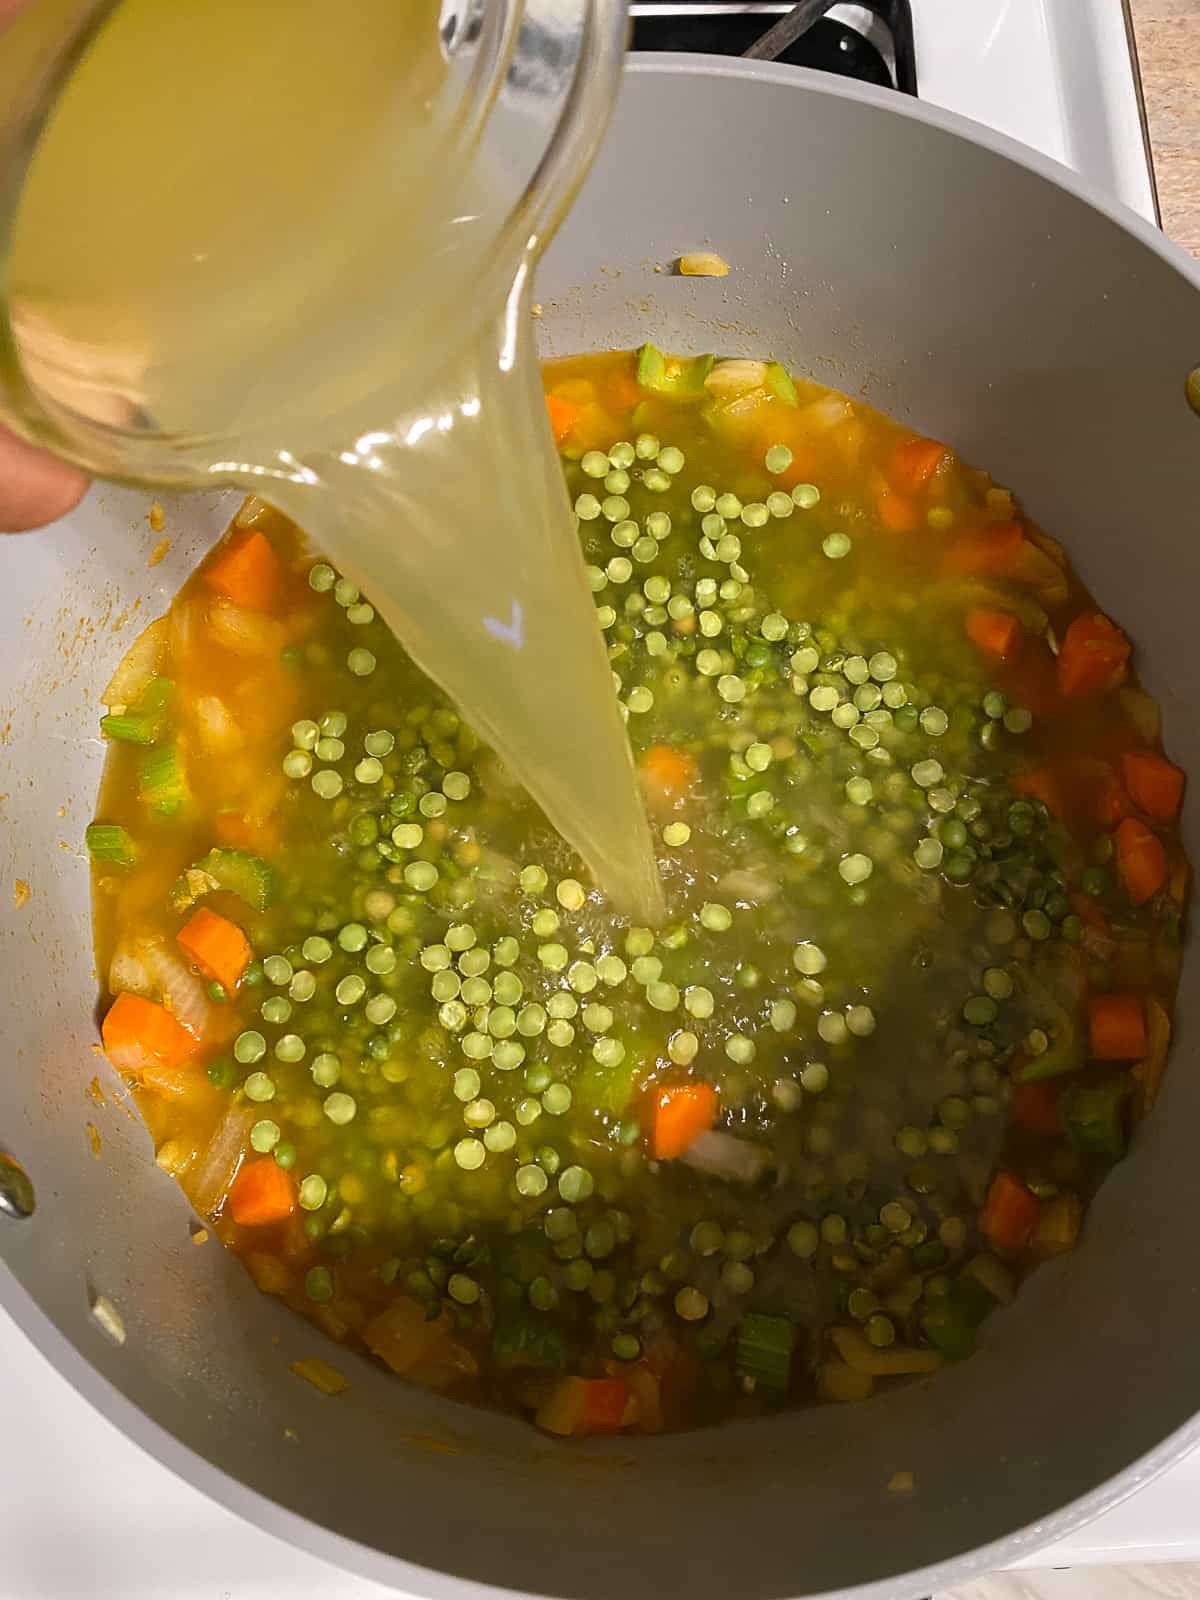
point(35, 487)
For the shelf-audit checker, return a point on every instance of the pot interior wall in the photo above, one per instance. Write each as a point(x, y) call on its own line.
point(968, 294)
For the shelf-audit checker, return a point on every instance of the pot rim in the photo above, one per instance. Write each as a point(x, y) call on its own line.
point(689, 64)
point(396, 1572)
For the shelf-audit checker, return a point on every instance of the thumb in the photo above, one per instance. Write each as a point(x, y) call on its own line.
point(35, 487)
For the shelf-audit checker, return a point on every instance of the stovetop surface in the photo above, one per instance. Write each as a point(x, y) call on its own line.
point(90, 1516)
point(1053, 74)
point(871, 43)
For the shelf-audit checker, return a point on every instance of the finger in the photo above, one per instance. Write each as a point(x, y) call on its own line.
point(35, 487)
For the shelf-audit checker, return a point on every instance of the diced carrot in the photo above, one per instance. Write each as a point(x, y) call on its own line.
point(897, 512)
point(1034, 1107)
point(620, 388)
point(218, 947)
point(678, 1372)
point(563, 415)
point(581, 390)
point(247, 572)
point(594, 428)
point(584, 1406)
point(1155, 786)
point(996, 633)
point(914, 462)
point(680, 1112)
point(404, 1336)
point(660, 1351)
point(139, 1034)
point(1117, 1027)
point(667, 774)
point(1089, 912)
point(1141, 860)
point(1009, 1216)
point(263, 1192)
point(1040, 784)
point(259, 835)
point(1110, 802)
point(605, 1403)
point(1092, 656)
point(985, 550)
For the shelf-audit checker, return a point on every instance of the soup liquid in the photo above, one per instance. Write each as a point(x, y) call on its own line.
point(312, 304)
point(916, 978)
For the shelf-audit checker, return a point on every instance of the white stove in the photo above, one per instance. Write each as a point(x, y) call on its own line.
point(1055, 74)
point(83, 1512)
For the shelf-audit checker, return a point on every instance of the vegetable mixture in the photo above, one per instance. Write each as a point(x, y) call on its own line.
point(918, 840)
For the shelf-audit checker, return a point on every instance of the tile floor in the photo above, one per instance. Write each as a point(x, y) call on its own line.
point(1084, 1583)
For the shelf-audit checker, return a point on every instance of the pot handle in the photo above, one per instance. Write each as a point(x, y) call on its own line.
point(788, 29)
point(16, 1190)
point(895, 14)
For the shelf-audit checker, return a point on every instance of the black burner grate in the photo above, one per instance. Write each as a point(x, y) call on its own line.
point(731, 27)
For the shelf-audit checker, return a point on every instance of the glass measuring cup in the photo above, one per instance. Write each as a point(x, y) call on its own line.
point(117, 338)
point(305, 271)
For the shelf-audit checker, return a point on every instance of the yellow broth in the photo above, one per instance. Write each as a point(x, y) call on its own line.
point(924, 887)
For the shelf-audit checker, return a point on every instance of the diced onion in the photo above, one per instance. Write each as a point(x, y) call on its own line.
point(729, 378)
point(748, 884)
point(182, 991)
point(106, 1317)
point(821, 415)
point(127, 971)
point(703, 264)
point(895, 1361)
point(321, 1375)
point(1142, 711)
point(208, 1181)
point(216, 728)
point(722, 1155)
point(138, 666)
point(247, 633)
point(251, 512)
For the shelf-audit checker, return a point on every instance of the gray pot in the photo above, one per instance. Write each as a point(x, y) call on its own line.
point(973, 289)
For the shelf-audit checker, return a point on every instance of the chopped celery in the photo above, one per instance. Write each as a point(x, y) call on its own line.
point(993, 1276)
point(972, 1298)
point(235, 871)
point(128, 727)
point(108, 841)
point(1065, 1053)
point(738, 787)
point(610, 1089)
point(949, 1323)
point(1092, 1115)
point(529, 1342)
point(672, 374)
point(652, 367)
point(519, 1256)
point(145, 722)
point(779, 381)
point(764, 1350)
point(161, 781)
